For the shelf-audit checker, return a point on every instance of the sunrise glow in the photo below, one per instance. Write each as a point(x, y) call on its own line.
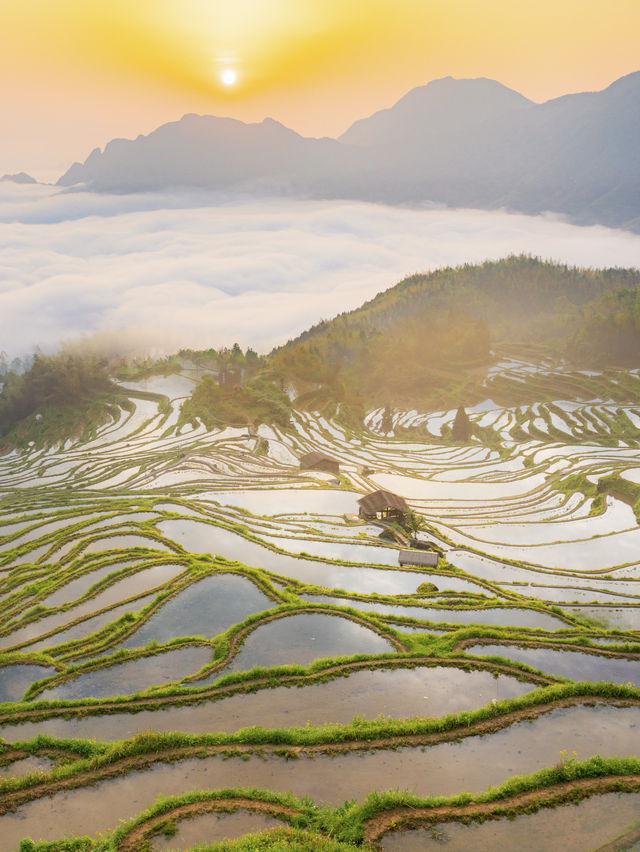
point(315, 66)
point(229, 77)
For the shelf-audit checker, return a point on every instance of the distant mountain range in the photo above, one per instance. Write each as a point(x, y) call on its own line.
point(20, 177)
point(463, 143)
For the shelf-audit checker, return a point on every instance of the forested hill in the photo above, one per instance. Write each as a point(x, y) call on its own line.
point(413, 340)
point(426, 343)
point(56, 397)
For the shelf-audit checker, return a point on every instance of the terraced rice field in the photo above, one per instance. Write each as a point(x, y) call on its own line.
point(187, 614)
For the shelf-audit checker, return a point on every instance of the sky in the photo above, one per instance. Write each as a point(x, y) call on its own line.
point(76, 73)
point(156, 272)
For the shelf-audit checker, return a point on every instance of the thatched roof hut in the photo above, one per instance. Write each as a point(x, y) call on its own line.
point(320, 461)
point(382, 504)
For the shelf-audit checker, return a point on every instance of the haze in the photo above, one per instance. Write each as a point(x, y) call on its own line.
point(200, 270)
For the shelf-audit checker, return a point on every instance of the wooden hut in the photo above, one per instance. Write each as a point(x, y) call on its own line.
point(320, 461)
point(382, 504)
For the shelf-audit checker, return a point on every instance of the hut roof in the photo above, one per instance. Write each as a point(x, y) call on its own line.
point(418, 557)
point(315, 457)
point(378, 501)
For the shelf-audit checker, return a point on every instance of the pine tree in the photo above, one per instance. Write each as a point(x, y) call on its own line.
point(461, 429)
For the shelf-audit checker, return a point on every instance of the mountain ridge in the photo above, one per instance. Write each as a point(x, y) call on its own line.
point(460, 143)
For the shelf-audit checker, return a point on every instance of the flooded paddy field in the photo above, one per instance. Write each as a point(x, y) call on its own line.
point(399, 693)
point(571, 664)
point(476, 763)
point(213, 827)
point(577, 827)
point(158, 578)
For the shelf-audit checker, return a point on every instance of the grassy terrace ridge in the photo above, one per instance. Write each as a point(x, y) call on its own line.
point(254, 679)
point(226, 645)
point(91, 760)
point(381, 812)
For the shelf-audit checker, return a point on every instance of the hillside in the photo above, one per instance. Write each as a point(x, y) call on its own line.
point(429, 339)
point(426, 343)
point(59, 396)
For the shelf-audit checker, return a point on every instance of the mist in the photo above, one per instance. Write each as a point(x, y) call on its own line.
point(196, 269)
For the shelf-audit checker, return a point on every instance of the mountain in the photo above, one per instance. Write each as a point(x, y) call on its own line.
point(206, 151)
point(476, 143)
point(472, 143)
point(20, 177)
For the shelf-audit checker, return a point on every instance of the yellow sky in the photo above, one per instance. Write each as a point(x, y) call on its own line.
point(75, 73)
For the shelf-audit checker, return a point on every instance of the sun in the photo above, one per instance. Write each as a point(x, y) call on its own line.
point(229, 77)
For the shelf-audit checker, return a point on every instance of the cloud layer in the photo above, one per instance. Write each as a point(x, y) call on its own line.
point(199, 270)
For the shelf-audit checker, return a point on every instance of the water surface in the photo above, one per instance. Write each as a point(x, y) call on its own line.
point(134, 675)
point(209, 828)
point(404, 692)
point(472, 764)
point(576, 665)
point(305, 638)
point(569, 828)
point(16, 679)
point(205, 608)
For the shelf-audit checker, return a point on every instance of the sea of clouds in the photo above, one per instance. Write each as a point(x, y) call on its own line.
point(194, 269)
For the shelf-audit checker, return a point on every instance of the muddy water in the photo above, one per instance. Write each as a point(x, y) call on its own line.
point(208, 828)
point(25, 765)
point(303, 639)
point(399, 692)
point(570, 828)
point(472, 764)
point(572, 664)
point(205, 608)
point(133, 676)
point(14, 680)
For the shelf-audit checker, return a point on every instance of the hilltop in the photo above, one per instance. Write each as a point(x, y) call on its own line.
point(430, 339)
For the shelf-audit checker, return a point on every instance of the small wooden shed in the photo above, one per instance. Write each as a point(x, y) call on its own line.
point(382, 504)
point(320, 461)
point(418, 557)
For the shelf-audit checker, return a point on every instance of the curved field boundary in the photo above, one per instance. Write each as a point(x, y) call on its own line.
point(21, 713)
point(551, 646)
point(140, 835)
point(624, 842)
point(110, 765)
point(238, 638)
point(235, 643)
point(169, 591)
point(556, 794)
point(69, 649)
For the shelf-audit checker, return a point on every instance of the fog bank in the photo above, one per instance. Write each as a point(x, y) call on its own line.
point(198, 269)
